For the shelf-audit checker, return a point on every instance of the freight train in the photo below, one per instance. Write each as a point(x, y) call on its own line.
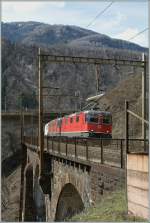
point(81, 124)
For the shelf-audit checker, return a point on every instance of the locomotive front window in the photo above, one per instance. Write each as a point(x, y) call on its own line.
point(107, 119)
point(92, 118)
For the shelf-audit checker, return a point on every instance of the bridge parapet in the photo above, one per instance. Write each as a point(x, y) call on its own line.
point(105, 151)
point(77, 169)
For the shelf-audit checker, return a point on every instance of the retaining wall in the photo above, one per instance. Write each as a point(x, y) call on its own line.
point(138, 185)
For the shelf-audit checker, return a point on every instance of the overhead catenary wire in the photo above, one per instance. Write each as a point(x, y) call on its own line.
point(107, 7)
point(139, 33)
point(100, 13)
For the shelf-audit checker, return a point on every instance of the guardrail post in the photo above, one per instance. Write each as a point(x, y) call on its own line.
point(32, 126)
point(23, 165)
point(52, 144)
point(144, 97)
point(102, 157)
point(87, 152)
point(121, 153)
point(126, 146)
point(126, 126)
point(57, 148)
point(75, 143)
point(66, 146)
point(59, 144)
point(47, 143)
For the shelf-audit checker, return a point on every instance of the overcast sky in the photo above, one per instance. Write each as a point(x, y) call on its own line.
point(122, 20)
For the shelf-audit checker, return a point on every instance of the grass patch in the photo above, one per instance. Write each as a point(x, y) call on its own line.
point(112, 207)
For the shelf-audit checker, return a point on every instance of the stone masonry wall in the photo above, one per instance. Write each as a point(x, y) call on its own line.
point(105, 178)
point(65, 173)
point(87, 181)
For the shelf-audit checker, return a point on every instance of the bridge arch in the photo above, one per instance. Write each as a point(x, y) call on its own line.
point(38, 197)
point(69, 203)
point(29, 210)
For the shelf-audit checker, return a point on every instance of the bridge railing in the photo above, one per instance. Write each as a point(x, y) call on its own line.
point(104, 151)
point(138, 145)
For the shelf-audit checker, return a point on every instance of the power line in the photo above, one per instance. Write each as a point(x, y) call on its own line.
point(100, 13)
point(139, 33)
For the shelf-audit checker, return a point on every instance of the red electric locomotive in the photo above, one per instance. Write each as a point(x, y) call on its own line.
point(82, 124)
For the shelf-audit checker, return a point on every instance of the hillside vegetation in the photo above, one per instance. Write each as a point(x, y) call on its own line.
point(20, 42)
point(41, 34)
point(112, 207)
point(114, 101)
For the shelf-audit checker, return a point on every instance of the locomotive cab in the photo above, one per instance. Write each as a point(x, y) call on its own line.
point(99, 124)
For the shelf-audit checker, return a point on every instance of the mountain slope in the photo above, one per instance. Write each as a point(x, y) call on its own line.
point(20, 74)
point(36, 33)
point(100, 40)
point(39, 33)
point(114, 101)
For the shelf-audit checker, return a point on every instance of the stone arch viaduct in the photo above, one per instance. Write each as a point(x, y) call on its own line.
point(70, 182)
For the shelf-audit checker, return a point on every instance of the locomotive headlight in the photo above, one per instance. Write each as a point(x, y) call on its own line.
point(107, 131)
point(92, 130)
